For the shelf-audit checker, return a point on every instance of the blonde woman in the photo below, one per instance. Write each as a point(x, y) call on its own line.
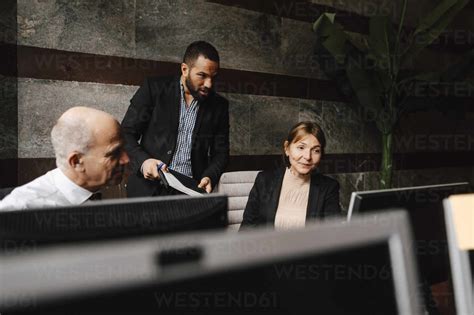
point(288, 197)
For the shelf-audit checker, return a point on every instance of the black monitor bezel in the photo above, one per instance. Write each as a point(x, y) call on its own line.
point(357, 196)
point(114, 218)
point(219, 252)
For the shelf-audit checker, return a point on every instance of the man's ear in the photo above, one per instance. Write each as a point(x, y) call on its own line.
point(184, 69)
point(75, 161)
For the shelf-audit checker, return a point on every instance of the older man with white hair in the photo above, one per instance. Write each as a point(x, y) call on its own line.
point(90, 154)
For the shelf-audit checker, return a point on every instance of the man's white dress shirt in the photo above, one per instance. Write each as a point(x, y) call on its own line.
point(53, 189)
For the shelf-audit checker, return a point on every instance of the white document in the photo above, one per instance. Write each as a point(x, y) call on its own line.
point(176, 184)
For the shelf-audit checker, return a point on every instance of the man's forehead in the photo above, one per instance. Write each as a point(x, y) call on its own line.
point(108, 136)
point(202, 63)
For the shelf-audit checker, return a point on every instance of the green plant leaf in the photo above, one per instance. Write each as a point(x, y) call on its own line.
point(384, 79)
point(331, 50)
point(381, 40)
point(434, 16)
point(334, 38)
point(331, 35)
point(335, 44)
point(427, 77)
point(359, 41)
point(333, 69)
point(323, 22)
point(432, 26)
point(363, 85)
point(455, 72)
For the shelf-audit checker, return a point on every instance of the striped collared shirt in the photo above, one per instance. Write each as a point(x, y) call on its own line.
point(181, 160)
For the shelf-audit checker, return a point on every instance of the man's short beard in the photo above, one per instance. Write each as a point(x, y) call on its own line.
point(192, 91)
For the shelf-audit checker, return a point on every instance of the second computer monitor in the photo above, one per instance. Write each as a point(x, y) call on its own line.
point(424, 205)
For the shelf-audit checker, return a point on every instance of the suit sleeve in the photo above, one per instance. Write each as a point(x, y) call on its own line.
point(252, 209)
point(219, 148)
point(331, 201)
point(134, 124)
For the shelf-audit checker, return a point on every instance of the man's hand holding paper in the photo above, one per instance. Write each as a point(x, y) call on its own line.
point(150, 169)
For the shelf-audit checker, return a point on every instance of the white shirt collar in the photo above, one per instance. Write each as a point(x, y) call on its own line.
point(75, 194)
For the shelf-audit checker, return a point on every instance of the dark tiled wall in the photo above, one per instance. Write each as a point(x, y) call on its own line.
point(249, 39)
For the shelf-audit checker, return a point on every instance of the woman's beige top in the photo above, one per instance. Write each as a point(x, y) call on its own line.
point(291, 211)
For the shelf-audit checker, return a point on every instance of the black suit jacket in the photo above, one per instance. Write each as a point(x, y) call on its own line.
point(150, 129)
point(323, 200)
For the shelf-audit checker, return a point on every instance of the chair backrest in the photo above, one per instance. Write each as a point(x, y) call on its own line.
point(237, 186)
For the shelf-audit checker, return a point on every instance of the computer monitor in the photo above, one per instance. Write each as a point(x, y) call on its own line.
point(425, 207)
point(111, 219)
point(362, 267)
point(462, 262)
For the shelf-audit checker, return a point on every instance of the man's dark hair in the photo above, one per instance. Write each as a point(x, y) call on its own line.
point(197, 49)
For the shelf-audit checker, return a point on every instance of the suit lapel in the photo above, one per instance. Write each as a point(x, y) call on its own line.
point(173, 98)
point(202, 110)
point(275, 195)
point(313, 198)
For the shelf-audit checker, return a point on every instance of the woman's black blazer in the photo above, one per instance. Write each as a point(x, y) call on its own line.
point(323, 200)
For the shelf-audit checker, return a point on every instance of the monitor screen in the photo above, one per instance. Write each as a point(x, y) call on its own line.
point(111, 219)
point(328, 268)
point(425, 207)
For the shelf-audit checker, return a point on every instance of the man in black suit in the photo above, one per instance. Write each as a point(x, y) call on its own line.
point(180, 123)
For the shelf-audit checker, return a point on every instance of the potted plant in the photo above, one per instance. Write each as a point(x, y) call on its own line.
point(374, 70)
